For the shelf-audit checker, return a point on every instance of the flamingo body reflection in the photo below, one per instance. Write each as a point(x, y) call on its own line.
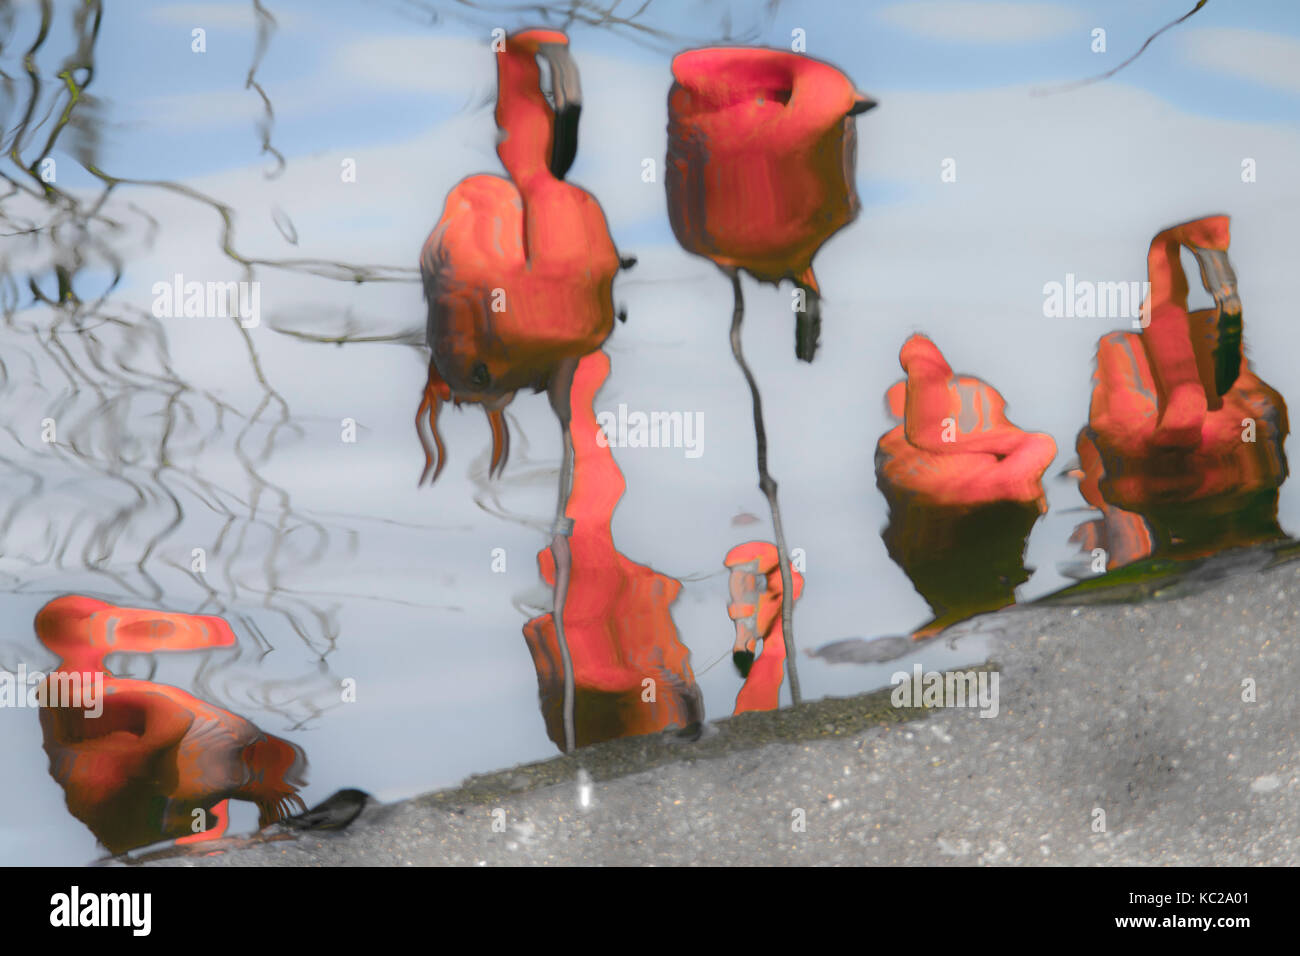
point(964, 487)
point(138, 772)
point(632, 672)
point(1181, 434)
point(518, 271)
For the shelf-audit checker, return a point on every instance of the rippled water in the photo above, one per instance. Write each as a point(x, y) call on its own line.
point(176, 434)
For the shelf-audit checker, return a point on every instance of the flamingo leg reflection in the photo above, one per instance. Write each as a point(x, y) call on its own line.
point(767, 485)
point(559, 390)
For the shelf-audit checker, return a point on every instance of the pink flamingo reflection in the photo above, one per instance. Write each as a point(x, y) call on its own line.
point(964, 487)
point(137, 773)
point(1183, 451)
point(632, 674)
point(756, 606)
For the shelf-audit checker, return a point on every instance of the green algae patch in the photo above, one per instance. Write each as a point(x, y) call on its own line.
point(1162, 578)
point(1138, 581)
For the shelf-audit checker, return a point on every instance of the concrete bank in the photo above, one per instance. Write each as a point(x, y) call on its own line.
point(1135, 710)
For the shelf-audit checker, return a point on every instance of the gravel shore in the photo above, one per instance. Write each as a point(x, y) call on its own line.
point(1133, 710)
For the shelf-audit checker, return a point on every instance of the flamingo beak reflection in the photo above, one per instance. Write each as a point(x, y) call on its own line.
point(566, 93)
point(746, 586)
point(860, 105)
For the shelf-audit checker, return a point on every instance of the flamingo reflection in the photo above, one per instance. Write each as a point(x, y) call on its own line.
point(964, 487)
point(518, 271)
point(1183, 451)
point(137, 773)
point(518, 274)
point(632, 673)
point(1116, 536)
point(756, 605)
point(762, 149)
